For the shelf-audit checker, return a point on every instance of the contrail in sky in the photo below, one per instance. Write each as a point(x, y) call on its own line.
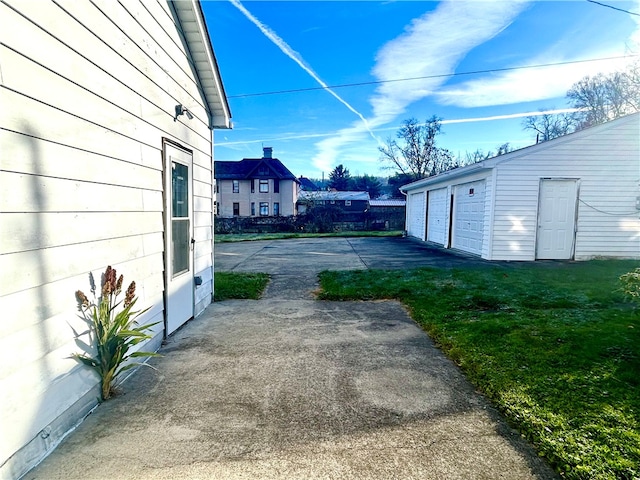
point(396, 127)
point(295, 56)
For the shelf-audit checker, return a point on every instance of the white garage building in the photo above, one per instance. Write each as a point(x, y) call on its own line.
point(574, 197)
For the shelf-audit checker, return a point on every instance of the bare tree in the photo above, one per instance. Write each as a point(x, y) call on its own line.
point(479, 155)
point(416, 154)
point(548, 125)
point(602, 98)
point(504, 148)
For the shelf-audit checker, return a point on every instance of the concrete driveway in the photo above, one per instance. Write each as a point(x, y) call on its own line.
point(294, 264)
point(288, 387)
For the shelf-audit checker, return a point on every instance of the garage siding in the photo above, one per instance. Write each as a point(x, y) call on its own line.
point(608, 223)
point(605, 161)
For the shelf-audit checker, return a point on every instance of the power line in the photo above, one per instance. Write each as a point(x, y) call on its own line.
point(442, 75)
point(614, 8)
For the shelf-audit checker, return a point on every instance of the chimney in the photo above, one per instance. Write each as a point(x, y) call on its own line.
point(268, 152)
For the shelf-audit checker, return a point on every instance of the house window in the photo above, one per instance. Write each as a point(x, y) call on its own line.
point(253, 209)
point(217, 188)
point(276, 186)
point(216, 207)
point(347, 203)
point(236, 209)
point(264, 209)
point(253, 185)
point(276, 209)
point(236, 186)
point(264, 186)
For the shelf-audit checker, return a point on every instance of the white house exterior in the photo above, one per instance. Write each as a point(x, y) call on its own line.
point(94, 162)
point(574, 197)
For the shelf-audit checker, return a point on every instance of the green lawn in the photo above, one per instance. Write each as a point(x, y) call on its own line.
point(243, 237)
point(555, 347)
point(233, 285)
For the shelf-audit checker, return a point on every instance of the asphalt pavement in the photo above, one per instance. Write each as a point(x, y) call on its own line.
point(289, 387)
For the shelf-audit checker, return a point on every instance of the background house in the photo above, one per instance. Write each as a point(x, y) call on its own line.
point(348, 202)
point(255, 187)
point(105, 132)
point(573, 197)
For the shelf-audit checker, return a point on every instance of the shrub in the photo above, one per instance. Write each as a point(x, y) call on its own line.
point(631, 285)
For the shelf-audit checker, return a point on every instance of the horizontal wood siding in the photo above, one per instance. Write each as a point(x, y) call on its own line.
point(606, 161)
point(88, 92)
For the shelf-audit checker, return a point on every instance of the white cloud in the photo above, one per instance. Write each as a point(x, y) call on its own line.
point(334, 146)
point(434, 42)
point(526, 85)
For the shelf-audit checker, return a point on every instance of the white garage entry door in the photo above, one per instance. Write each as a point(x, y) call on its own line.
point(416, 215)
point(469, 217)
point(437, 216)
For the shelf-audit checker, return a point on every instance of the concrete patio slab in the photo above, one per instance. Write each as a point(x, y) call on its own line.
point(288, 387)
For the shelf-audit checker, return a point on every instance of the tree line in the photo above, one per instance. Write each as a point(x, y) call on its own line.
point(414, 153)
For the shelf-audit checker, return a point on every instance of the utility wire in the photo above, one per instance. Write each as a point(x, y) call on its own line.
point(455, 74)
point(615, 8)
point(612, 214)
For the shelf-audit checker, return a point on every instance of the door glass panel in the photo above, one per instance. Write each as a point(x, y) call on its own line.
point(180, 245)
point(179, 190)
point(180, 231)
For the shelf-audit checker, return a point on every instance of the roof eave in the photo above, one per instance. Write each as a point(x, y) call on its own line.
point(456, 172)
point(196, 34)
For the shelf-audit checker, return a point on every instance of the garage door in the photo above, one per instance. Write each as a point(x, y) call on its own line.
point(437, 216)
point(469, 217)
point(416, 215)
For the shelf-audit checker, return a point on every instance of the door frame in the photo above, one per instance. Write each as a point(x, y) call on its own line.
point(167, 223)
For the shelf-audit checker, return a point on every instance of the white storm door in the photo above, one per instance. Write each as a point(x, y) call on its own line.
point(469, 217)
point(437, 216)
point(556, 219)
point(179, 235)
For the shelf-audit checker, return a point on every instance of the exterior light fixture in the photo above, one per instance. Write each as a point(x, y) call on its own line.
point(182, 110)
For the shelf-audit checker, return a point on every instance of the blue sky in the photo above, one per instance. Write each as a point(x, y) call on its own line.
point(265, 46)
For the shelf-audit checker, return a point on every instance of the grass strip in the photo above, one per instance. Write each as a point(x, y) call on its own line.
point(553, 345)
point(233, 285)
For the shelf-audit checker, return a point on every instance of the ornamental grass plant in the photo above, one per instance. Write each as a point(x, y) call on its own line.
point(113, 331)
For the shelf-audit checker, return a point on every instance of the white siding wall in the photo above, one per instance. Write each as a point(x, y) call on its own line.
point(606, 160)
point(88, 90)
